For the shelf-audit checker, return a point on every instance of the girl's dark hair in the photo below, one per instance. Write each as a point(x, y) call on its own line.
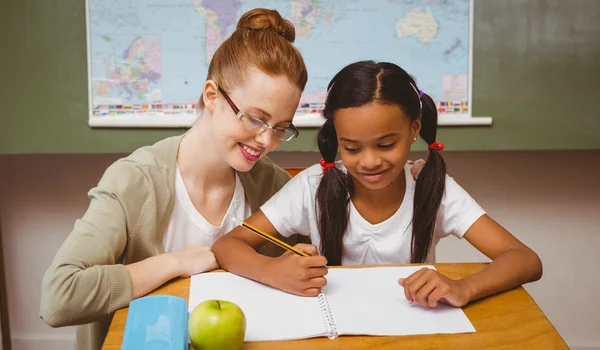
point(356, 85)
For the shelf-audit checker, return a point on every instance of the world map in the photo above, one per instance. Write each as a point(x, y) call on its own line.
point(150, 57)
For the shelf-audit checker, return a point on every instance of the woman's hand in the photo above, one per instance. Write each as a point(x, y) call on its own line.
point(194, 259)
point(416, 168)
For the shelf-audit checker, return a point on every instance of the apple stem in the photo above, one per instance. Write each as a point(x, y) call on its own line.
point(219, 304)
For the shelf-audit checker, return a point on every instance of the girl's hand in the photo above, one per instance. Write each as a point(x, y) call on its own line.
point(194, 259)
point(300, 275)
point(429, 287)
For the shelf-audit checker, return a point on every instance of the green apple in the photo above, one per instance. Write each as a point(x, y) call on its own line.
point(217, 324)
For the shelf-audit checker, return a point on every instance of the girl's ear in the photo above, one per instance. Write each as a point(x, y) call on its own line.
point(416, 128)
point(209, 95)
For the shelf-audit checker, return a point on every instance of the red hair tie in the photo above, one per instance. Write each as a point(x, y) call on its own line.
point(326, 165)
point(436, 145)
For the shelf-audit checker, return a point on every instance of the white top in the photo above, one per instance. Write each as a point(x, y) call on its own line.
point(293, 210)
point(188, 227)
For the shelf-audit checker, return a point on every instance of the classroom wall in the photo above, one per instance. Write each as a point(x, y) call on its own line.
point(550, 200)
point(532, 66)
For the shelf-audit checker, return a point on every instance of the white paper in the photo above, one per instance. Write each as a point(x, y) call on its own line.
point(363, 301)
point(270, 313)
point(369, 301)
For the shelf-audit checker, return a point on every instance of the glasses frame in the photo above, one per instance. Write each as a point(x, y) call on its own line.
point(239, 114)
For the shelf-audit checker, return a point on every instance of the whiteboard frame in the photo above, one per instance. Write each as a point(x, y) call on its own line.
point(186, 120)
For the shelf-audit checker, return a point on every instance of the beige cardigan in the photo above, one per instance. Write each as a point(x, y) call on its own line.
point(128, 214)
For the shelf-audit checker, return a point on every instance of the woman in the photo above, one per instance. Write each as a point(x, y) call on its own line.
point(155, 214)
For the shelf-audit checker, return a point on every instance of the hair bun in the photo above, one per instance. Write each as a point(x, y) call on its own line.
point(265, 19)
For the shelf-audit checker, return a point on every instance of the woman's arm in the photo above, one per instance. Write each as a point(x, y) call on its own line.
point(86, 279)
point(151, 273)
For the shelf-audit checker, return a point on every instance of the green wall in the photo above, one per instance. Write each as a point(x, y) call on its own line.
point(536, 72)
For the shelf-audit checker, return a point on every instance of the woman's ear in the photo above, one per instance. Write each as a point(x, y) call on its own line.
point(209, 95)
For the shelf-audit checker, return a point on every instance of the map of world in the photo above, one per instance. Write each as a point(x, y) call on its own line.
point(149, 58)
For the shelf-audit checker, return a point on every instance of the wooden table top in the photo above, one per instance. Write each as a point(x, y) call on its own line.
point(509, 320)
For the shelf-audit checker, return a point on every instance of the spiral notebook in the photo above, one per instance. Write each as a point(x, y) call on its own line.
point(356, 301)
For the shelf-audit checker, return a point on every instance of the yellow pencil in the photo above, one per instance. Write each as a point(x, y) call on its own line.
point(273, 240)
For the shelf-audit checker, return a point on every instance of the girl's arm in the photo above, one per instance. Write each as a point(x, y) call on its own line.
point(513, 264)
point(236, 252)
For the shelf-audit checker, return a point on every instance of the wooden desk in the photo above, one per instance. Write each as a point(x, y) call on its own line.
point(510, 320)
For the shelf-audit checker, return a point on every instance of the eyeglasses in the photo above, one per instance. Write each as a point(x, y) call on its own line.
point(257, 126)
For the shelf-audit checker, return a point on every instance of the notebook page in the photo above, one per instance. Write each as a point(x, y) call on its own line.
point(270, 313)
point(369, 301)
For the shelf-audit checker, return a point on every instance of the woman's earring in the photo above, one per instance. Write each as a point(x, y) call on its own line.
point(415, 139)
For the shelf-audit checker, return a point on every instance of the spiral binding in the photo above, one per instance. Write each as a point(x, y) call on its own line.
point(327, 316)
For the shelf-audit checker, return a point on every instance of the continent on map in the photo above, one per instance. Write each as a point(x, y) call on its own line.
point(219, 15)
point(306, 15)
point(136, 74)
point(456, 51)
point(419, 23)
point(303, 15)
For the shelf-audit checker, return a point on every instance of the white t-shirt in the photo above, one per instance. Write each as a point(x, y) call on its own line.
point(293, 210)
point(188, 227)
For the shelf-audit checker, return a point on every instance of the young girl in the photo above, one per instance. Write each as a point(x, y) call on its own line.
point(366, 209)
point(155, 214)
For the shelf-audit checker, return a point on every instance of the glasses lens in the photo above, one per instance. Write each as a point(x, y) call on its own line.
point(253, 124)
point(256, 125)
point(287, 134)
point(279, 134)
